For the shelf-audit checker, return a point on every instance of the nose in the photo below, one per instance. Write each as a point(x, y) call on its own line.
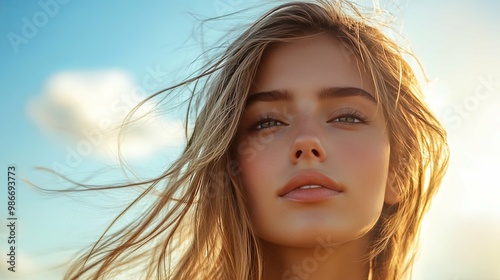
point(307, 148)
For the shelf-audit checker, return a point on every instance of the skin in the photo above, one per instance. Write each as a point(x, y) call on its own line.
point(344, 137)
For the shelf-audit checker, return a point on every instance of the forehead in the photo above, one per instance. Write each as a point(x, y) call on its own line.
point(316, 61)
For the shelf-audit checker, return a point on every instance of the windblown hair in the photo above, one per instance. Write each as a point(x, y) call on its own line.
point(199, 228)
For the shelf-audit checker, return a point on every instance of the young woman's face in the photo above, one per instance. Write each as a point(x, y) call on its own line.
point(313, 146)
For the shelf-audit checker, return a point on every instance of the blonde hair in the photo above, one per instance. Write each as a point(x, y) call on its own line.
point(198, 228)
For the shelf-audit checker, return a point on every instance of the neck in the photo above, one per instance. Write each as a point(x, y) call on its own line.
point(322, 262)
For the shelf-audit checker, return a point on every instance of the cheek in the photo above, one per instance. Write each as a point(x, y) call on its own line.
point(363, 169)
point(257, 155)
point(255, 174)
point(367, 155)
point(250, 148)
point(365, 161)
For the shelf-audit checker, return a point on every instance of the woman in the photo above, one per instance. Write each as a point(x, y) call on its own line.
point(312, 157)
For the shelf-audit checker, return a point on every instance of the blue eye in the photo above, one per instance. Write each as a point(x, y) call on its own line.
point(350, 116)
point(348, 119)
point(267, 123)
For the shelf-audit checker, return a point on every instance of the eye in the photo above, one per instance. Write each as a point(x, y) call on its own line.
point(266, 122)
point(347, 119)
point(349, 116)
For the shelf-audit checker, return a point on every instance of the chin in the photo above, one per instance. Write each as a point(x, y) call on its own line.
point(314, 236)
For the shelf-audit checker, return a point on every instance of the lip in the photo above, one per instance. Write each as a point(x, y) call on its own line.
point(309, 177)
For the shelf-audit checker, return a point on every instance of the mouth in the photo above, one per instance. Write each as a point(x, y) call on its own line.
point(310, 186)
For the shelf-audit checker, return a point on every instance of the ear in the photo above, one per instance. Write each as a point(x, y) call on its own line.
point(391, 190)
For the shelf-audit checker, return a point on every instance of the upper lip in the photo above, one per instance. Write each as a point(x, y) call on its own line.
point(309, 177)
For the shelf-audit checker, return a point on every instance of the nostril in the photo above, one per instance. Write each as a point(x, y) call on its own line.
point(298, 153)
point(316, 153)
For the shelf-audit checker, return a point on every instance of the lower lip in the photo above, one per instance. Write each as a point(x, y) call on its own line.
point(310, 195)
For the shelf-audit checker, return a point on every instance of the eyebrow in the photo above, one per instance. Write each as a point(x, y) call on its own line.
point(326, 93)
point(345, 92)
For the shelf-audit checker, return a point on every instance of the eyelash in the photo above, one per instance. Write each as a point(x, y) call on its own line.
point(347, 116)
point(350, 116)
point(267, 118)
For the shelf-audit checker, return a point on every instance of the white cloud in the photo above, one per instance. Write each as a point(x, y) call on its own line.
point(86, 108)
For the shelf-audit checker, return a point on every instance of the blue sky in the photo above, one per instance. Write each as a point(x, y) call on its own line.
point(150, 45)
